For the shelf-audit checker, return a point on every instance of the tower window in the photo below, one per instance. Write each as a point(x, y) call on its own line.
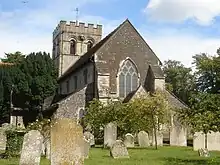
point(73, 47)
point(89, 45)
point(128, 78)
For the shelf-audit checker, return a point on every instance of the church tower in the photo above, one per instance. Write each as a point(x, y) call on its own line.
point(72, 40)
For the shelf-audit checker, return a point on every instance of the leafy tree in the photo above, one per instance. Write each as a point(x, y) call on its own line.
point(204, 113)
point(207, 73)
point(179, 79)
point(152, 111)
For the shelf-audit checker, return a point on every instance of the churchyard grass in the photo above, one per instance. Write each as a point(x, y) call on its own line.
point(162, 156)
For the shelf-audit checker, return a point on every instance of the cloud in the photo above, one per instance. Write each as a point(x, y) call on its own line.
point(29, 29)
point(202, 11)
point(179, 46)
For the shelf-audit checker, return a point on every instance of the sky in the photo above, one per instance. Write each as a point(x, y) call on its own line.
point(174, 29)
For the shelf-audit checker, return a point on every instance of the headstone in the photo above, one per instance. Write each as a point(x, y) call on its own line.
point(110, 134)
point(178, 134)
point(47, 147)
point(67, 145)
point(159, 139)
point(143, 139)
point(213, 141)
point(31, 148)
point(90, 137)
point(203, 152)
point(119, 150)
point(129, 140)
point(86, 148)
point(3, 140)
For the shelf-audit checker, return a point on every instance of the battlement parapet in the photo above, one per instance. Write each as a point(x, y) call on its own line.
point(80, 27)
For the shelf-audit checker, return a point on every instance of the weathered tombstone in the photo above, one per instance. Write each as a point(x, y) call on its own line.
point(203, 152)
point(86, 148)
point(90, 137)
point(110, 134)
point(159, 139)
point(31, 148)
point(119, 150)
point(67, 145)
point(3, 140)
point(178, 133)
point(143, 139)
point(129, 140)
point(47, 147)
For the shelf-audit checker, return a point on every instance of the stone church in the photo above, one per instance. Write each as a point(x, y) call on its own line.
point(118, 66)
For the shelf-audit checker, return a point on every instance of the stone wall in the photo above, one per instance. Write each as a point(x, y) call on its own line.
point(125, 43)
point(70, 107)
point(159, 84)
point(80, 79)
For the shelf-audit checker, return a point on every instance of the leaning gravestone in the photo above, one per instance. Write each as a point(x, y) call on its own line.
point(119, 150)
point(90, 137)
point(110, 134)
point(67, 145)
point(86, 148)
point(129, 140)
point(143, 139)
point(31, 148)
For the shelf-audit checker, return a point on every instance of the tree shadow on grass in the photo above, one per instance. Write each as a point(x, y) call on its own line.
point(178, 161)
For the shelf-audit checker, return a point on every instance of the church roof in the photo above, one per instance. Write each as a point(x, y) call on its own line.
point(157, 71)
point(172, 99)
point(88, 55)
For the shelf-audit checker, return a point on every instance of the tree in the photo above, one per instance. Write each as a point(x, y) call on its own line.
point(16, 57)
point(207, 73)
point(179, 79)
point(143, 113)
point(33, 78)
point(204, 113)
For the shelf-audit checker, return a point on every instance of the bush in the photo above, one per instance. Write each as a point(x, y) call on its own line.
point(14, 143)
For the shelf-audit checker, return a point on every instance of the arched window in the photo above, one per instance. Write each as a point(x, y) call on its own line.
point(89, 45)
point(128, 78)
point(72, 47)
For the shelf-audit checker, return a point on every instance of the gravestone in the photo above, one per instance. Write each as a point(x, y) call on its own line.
point(90, 137)
point(159, 139)
point(119, 150)
point(178, 133)
point(67, 145)
point(110, 134)
point(47, 148)
point(31, 148)
point(3, 140)
point(203, 152)
point(86, 148)
point(129, 140)
point(143, 139)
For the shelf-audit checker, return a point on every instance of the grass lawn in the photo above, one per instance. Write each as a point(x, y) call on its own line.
point(150, 156)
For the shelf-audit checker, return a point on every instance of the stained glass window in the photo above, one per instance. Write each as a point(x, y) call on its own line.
point(128, 78)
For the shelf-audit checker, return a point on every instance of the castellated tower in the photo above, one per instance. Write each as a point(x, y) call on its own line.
point(71, 40)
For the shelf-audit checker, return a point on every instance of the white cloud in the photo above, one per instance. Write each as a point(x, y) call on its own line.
point(202, 11)
point(29, 30)
point(179, 46)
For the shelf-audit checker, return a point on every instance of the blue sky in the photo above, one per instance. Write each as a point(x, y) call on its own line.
point(174, 29)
